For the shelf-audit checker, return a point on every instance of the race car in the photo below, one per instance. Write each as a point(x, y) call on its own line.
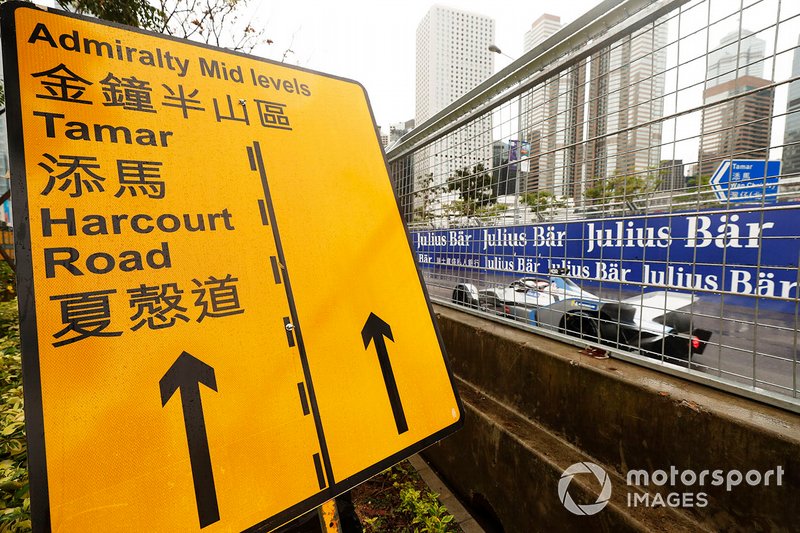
point(651, 323)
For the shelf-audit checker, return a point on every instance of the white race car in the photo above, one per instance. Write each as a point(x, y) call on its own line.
point(651, 323)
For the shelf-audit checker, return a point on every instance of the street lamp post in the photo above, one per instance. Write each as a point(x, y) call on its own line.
point(494, 48)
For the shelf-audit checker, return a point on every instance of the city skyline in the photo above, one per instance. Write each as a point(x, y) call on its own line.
point(374, 42)
point(571, 120)
point(308, 29)
point(652, 81)
point(376, 48)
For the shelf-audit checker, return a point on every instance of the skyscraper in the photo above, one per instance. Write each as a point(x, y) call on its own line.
point(736, 58)
point(384, 137)
point(625, 103)
point(573, 144)
point(791, 136)
point(671, 175)
point(551, 120)
point(541, 29)
point(398, 129)
point(452, 58)
point(737, 117)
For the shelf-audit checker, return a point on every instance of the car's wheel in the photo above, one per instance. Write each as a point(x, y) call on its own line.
point(463, 296)
point(581, 326)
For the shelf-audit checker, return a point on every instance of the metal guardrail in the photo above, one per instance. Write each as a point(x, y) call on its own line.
point(626, 169)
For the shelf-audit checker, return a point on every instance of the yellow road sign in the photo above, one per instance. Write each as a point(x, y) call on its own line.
point(222, 322)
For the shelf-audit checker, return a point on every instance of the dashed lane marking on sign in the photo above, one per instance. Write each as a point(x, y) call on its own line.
point(301, 388)
point(263, 209)
point(276, 271)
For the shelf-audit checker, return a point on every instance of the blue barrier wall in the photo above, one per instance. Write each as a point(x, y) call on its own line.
point(749, 253)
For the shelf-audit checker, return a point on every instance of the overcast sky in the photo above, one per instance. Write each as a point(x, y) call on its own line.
point(374, 42)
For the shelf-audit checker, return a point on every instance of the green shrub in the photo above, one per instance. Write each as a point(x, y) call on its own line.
point(9, 321)
point(14, 498)
point(8, 283)
point(423, 507)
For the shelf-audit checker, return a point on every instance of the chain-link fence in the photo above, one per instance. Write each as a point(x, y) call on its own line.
point(631, 181)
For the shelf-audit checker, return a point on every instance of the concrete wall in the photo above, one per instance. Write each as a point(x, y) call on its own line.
point(535, 406)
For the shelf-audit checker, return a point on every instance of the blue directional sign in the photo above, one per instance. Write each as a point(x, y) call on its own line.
point(747, 181)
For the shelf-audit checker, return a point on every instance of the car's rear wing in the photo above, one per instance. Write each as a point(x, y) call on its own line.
point(652, 305)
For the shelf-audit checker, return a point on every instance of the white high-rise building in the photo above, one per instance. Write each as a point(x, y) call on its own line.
point(541, 29)
point(453, 57)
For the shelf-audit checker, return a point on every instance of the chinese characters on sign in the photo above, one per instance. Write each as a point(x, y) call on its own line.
point(747, 181)
point(77, 175)
point(88, 314)
point(132, 94)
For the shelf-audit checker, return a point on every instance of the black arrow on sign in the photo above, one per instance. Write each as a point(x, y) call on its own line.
point(375, 330)
point(186, 374)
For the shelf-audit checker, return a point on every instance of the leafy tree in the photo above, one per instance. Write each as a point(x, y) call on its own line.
point(476, 189)
point(460, 208)
point(542, 203)
point(216, 22)
point(138, 13)
point(698, 193)
point(491, 210)
point(427, 194)
point(14, 479)
point(621, 190)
